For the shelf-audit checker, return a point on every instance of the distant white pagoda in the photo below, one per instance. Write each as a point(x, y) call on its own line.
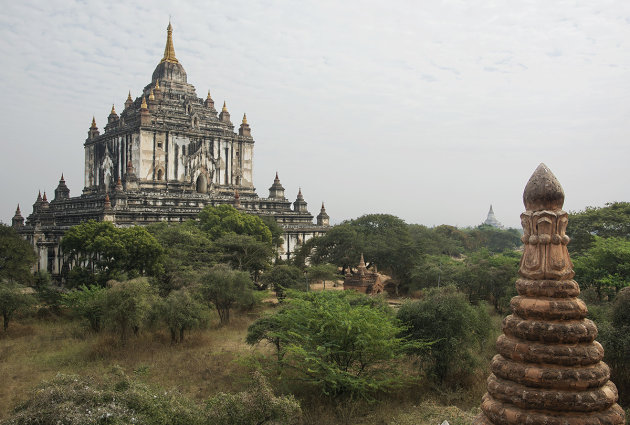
point(492, 220)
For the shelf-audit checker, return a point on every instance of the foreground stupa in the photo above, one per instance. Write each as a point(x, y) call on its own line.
point(549, 369)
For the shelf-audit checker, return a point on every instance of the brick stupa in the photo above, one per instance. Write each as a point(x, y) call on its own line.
point(549, 369)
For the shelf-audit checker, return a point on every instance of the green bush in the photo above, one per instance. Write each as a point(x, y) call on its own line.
point(87, 302)
point(342, 342)
point(455, 329)
point(257, 405)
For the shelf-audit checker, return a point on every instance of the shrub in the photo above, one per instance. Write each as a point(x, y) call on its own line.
point(74, 400)
point(180, 311)
point(226, 288)
point(455, 328)
point(87, 303)
point(338, 341)
point(257, 405)
point(127, 305)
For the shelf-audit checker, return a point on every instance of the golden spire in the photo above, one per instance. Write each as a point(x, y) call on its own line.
point(224, 107)
point(93, 122)
point(113, 112)
point(144, 103)
point(169, 50)
point(244, 118)
point(208, 98)
point(151, 95)
point(157, 84)
point(129, 99)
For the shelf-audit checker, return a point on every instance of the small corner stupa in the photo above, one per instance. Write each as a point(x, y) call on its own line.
point(549, 369)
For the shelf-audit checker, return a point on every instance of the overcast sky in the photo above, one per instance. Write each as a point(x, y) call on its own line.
point(429, 110)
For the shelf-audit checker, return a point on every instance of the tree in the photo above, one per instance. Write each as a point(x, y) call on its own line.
point(12, 299)
point(383, 239)
point(322, 272)
point(245, 253)
point(105, 250)
point(455, 328)
point(225, 288)
point(613, 220)
point(127, 305)
point(87, 302)
point(275, 229)
point(282, 277)
point(605, 265)
point(224, 219)
point(189, 253)
point(336, 340)
point(17, 257)
point(181, 312)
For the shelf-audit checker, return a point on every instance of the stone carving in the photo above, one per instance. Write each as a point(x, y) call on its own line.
point(549, 369)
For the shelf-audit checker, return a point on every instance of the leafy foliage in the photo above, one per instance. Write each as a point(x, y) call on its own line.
point(455, 328)
point(226, 288)
point(101, 248)
point(243, 252)
point(282, 277)
point(127, 305)
point(605, 266)
point(73, 400)
point(224, 219)
point(181, 312)
point(16, 257)
point(87, 302)
point(335, 340)
point(611, 221)
point(257, 405)
point(189, 252)
point(13, 298)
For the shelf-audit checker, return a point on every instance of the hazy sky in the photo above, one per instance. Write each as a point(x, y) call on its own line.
point(429, 110)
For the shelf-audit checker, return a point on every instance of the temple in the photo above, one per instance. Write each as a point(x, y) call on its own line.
point(549, 368)
point(491, 220)
point(166, 156)
point(364, 281)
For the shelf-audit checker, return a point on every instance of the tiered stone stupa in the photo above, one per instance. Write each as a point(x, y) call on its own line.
point(549, 369)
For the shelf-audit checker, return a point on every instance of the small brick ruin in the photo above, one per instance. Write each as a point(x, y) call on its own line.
point(364, 281)
point(549, 369)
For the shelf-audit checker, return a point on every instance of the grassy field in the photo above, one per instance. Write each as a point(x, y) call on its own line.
point(210, 360)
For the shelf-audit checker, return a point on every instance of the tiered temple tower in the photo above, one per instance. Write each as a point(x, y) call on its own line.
point(549, 369)
point(166, 155)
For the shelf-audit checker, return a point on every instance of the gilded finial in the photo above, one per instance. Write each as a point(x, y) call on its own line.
point(169, 50)
point(244, 118)
point(224, 107)
point(113, 112)
point(208, 98)
point(151, 95)
point(144, 103)
point(157, 84)
point(129, 99)
point(93, 122)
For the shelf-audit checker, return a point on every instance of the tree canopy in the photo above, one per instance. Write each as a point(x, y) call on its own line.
point(16, 257)
point(224, 219)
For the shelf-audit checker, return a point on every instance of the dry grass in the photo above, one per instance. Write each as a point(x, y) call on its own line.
point(208, 361)
point(211, 360)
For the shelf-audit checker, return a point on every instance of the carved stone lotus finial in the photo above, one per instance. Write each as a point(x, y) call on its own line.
point(548, 370)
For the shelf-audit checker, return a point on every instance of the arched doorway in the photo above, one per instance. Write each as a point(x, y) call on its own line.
point(160, 174)
point(202, 184)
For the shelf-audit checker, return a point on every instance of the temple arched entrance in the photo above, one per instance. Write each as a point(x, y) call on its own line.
point(202, 184)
